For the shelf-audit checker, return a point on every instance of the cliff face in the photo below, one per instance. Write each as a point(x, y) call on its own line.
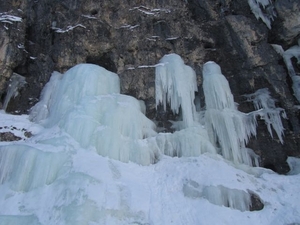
point(129, 37)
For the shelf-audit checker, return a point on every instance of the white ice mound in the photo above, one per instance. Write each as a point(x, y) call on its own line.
point(85, 102)
point(175, 83)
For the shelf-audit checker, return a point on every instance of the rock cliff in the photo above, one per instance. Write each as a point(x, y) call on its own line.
point(129, 37)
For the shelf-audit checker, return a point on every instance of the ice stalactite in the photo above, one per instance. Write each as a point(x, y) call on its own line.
point(176, 84)
point(266, 109)
point(292, 52)
point(228, 129)
point(16, 82)
point(264, 10)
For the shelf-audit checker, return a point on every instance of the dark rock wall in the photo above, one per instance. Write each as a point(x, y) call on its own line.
point(127, 36)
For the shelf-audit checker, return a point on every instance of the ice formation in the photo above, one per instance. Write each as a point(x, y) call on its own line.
point(175, 83)
point(227, 128)
point(16, 82)
point(266, 109)
point(292, 52)
point(60, 177)
point(264, 10)
point(87, 104)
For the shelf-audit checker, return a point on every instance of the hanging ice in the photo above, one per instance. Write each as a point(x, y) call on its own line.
point(175, 83)
point(264, 10)
point(85, 102)
point(227, 128)
point(265, 105)
point(15, 83)
point(292, 52)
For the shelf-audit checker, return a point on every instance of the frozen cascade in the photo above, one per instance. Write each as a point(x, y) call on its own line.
point(227, 128)
point(87, 104)
point(175, 83)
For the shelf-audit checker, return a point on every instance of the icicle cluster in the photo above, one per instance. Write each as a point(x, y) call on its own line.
point(265, 105)
point(175, 83)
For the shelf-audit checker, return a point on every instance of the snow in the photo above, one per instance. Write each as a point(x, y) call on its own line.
point(73, 171)
point(66, 30)
point(6, 18)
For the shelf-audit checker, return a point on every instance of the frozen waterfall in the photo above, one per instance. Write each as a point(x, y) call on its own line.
point(72, 171)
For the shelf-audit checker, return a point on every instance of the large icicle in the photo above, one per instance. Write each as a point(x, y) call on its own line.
point(228, 128)
point(176, 84)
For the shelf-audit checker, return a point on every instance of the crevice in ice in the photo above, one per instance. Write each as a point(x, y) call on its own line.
point(267, 110)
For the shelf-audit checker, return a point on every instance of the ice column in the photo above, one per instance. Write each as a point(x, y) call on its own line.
point(176, 84)
point(227, 128)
